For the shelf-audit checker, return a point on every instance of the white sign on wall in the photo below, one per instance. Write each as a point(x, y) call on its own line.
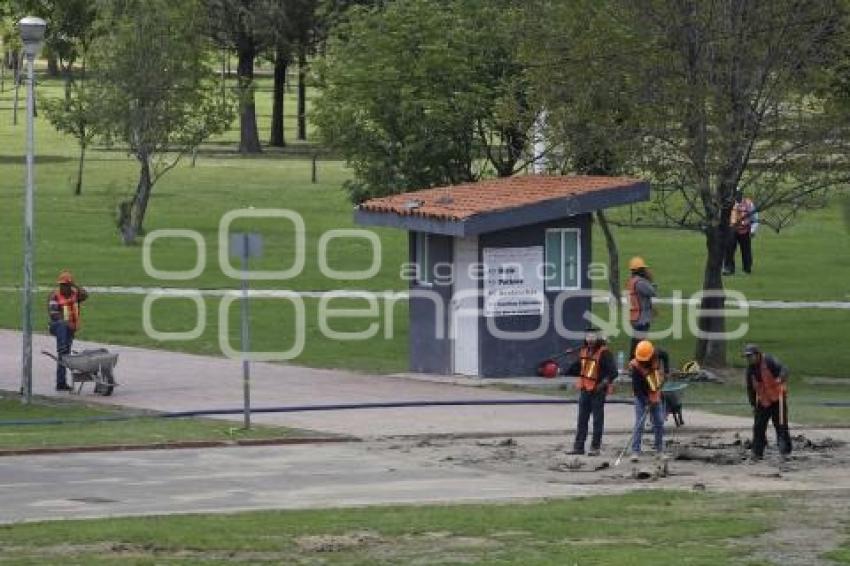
point(512, 281)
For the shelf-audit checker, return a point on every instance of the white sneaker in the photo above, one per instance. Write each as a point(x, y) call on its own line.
point(634, 458)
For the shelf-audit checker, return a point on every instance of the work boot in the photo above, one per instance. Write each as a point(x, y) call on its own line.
point(593, 452)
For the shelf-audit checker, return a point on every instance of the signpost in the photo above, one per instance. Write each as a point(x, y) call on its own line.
point(246, 245)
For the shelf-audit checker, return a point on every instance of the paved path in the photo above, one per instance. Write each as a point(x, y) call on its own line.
point(232, 479)
point(168, 381)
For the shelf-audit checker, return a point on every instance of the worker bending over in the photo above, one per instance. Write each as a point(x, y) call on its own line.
point(648, 370)
point(767, 381)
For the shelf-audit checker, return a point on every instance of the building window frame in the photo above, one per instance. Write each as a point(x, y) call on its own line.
point(558, 280)
point(422, 259)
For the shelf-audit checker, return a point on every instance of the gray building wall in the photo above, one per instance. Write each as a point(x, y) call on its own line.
point(430, 353)
point(505, 358)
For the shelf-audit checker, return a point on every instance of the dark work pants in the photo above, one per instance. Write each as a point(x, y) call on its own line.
point(771, 413)
point(64, 340)
point(746, 244)
point(639, 333)
point(590, 404)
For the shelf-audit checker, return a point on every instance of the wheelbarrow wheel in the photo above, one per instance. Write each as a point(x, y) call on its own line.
point(106, 386)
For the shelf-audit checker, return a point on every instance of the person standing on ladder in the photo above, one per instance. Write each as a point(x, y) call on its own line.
point(641, 290)
point(596, 369)
point(767, 383)
point(63, 308)
point(648, 369)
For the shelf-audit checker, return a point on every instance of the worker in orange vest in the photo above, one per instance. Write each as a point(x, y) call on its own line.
point(743, 223)
point(767, 381)
point(63, 309)
point(640, 290)
point(648, 370)
point(596, 369)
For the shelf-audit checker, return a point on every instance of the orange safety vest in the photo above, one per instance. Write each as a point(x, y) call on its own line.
point(741, 217)
point(653, 377)
point(589, 373)
point(634, 301)
point(69, 307)
point(769, 390)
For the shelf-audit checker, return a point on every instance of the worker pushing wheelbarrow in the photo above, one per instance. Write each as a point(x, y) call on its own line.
point(89, 366)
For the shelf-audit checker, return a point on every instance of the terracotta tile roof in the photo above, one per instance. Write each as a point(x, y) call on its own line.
point(460, 202)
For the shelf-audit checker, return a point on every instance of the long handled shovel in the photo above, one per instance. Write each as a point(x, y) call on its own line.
point(638, 429)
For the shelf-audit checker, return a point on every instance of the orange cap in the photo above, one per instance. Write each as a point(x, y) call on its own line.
point(644, 351)
point(65, 276)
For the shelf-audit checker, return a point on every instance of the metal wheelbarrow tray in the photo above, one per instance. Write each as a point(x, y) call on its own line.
point(90, 366)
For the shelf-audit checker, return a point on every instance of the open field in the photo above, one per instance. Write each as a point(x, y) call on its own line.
point(811, 261)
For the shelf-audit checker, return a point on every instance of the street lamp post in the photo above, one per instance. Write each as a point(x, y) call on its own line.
point(32, 36)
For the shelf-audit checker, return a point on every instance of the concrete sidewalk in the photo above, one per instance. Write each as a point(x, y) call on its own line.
point(168, 381)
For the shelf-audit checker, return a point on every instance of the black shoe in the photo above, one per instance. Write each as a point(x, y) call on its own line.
point(64, 387)
point(576, 452)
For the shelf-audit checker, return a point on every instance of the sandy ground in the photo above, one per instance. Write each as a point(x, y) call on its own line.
point(696, 460)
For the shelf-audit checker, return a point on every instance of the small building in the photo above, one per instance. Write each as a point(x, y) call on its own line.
point(499, 268)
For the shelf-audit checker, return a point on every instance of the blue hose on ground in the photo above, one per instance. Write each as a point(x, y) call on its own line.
point(358, 406)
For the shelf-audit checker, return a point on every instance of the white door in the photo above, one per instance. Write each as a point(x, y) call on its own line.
point(465, 311)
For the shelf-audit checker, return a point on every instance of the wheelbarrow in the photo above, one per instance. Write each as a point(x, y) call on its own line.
point(90, 366)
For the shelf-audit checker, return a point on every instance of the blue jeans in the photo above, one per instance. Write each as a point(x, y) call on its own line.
point(64, 340)
point(656, 413)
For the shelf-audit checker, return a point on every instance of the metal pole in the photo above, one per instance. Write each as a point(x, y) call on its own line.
point(29, 252)
point(246, 366)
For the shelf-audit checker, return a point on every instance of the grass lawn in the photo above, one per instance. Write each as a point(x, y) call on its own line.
point(138, 430)
point(634, 529)
point(810, 261)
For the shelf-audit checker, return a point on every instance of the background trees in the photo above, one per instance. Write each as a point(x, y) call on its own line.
point(702, 97)
point(421, 93)
point(156, 93)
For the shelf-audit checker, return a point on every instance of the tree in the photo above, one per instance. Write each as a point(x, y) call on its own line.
point(155, 90)
point(249, 27)
point(69, 30)
point(77, 115)
point(418, 94)
point(294, 33)
point(710, 96)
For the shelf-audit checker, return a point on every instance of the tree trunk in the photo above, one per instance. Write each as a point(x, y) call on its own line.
point(711, 350)
point(78, 190)
point(302, 96)
point(613, 256)
point(277, 138)
point(132, 212)
point(249, 138)
point(52, 65)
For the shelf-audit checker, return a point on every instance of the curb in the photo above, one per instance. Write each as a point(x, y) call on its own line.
point(176, 445)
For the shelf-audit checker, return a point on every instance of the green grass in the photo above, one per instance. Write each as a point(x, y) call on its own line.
point(809, 261)
point(137, 430)
point(633, 529)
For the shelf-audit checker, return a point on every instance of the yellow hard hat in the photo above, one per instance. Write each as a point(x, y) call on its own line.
point(65, 276)
point(644, 351)
point(637, 263)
